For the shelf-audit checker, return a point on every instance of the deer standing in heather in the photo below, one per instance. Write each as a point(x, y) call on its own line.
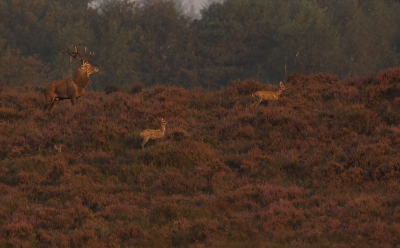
point(58, 148)
point(268, 95)
point(72, 87)
point(153, 134)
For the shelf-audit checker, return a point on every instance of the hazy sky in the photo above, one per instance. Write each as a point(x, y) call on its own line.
point(199, 3)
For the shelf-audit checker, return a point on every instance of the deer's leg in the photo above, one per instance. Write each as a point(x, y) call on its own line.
point(258, 102)
point(73, 101)
point(48, 102)
point(145, 139)
point(46, 107)
point(52, 105)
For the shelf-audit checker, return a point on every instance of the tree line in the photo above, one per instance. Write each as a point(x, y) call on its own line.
point(155, 42)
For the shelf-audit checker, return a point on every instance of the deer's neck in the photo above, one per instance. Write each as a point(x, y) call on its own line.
point(163, 128)
point(81, 78)
point(278, 93)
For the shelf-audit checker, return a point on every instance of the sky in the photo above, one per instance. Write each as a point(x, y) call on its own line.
point(199, 4)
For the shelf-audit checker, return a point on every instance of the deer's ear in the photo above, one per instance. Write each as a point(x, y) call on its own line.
point(280, 83)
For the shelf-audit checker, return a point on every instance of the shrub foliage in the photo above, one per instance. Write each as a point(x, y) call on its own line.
point(317, 168)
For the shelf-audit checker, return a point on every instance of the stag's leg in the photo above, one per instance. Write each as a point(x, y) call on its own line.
point(46, 107)
point(73, 101)
point(52, 105)
point(48, 103)
point(145, 139)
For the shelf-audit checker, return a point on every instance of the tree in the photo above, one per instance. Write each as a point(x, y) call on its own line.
point(367, 30)
point(17, 70)
point(236, 39)
point(307, 41)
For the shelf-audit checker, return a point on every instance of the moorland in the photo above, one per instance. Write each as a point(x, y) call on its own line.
point(317, 168)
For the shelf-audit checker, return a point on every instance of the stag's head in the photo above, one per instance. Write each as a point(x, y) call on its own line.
point(85, 66)
point(88, 68)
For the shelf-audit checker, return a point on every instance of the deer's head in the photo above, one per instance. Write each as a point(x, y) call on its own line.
point(85, 66)
point(282, 87)
point(88, 68)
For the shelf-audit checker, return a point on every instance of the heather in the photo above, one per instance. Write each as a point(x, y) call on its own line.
point(317, 168)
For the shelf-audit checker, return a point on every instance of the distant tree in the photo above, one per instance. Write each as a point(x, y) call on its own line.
point(17, 70)
point(368, 30)
point(33, 26)
point(307, 41)
point(165, 44)
point(236, 39)
point(157, 42)
point(146, 42)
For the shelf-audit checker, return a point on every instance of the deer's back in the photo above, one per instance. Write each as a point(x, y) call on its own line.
point(65, 88)
point(152, 133)
point(266, 95)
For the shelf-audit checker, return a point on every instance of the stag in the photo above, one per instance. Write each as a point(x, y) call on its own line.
point(268, 95)
point(72, 87)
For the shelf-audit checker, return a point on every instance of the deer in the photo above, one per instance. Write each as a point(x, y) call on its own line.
point(72, 87)
point(58, 148)
point(153, 134)
point(268, 95)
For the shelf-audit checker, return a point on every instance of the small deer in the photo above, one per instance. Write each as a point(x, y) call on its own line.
point(268, 95)
point(58, 148)
point(72, 87)
point(153, 134)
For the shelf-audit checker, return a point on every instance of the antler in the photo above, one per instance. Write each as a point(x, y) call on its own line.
point(75, 53)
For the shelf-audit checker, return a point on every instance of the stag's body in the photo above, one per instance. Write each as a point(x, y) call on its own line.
point(153, 134)
point(268, 95)
point(69, 88)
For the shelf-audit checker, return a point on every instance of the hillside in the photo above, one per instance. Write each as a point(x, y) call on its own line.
point(317, 168)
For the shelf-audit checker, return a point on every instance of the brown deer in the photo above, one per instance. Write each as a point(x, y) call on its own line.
point(153, 134)
point(72, 87)
point(268, 95)
point(58, 148)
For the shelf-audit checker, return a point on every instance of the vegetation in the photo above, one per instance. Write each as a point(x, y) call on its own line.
point(317, 168)
point(153, 42)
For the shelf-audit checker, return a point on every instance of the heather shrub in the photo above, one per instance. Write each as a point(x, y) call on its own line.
point(388, 76)
point(10, 113)
point(391, 118)
point(360, 119)
point(110, 89)
point(166, 157)
point(177, 134)
point(17, 226)
point(318, 86)
point(281, 216)
point(296, 80)
point(171, 183)
point(316, 168)
point(136, 88)
point(200, 153)
point(243, 88)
